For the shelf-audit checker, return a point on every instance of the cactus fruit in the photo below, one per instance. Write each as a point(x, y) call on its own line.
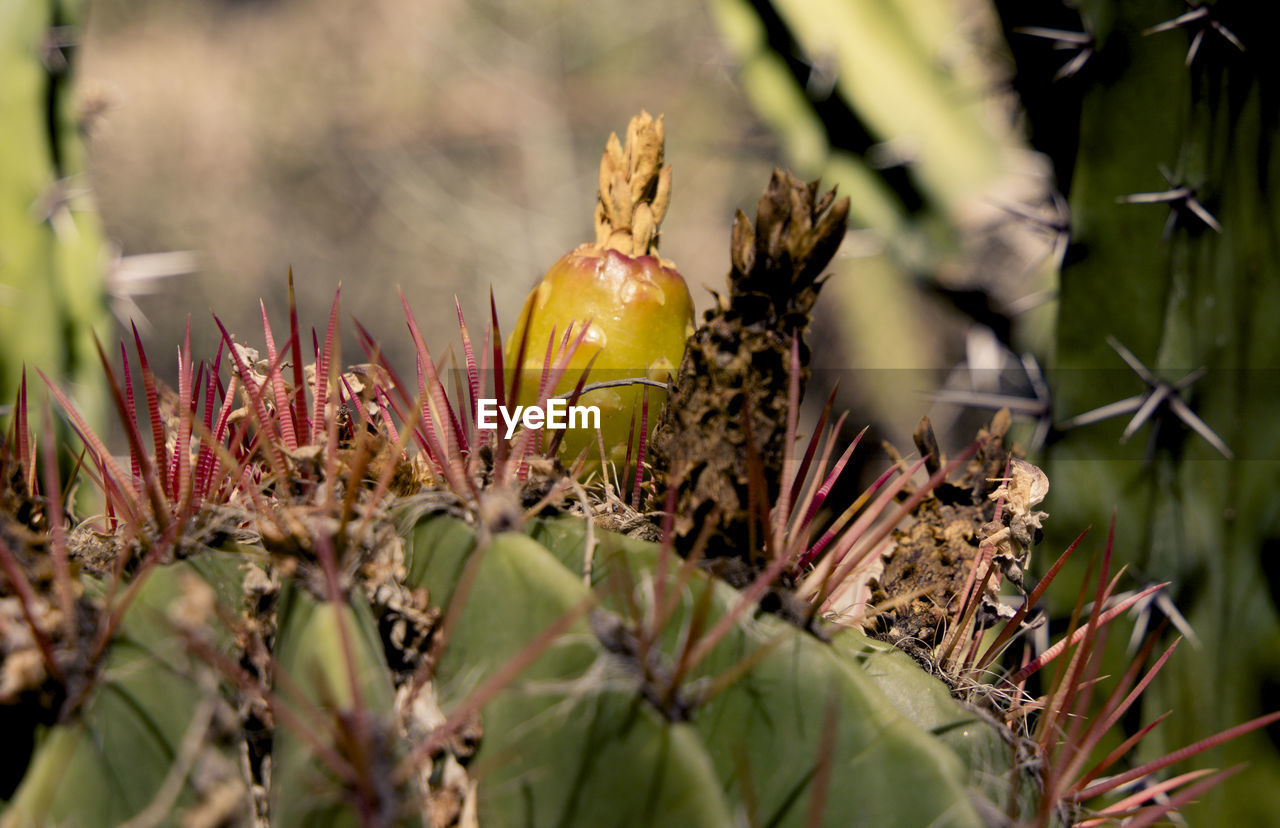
point(635, 305)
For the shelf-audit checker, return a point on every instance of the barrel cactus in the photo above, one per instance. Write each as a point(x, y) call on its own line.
point(328, 596)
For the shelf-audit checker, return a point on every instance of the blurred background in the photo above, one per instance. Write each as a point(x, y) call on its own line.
point(442, 148)
point(446, 148)
point(1030, 180)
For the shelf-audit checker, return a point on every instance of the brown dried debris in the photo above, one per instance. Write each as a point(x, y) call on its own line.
point(730, 399)
point(933, 555)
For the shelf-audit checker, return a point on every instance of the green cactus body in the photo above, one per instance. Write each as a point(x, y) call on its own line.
point(759, 741)
point(582, 677)
point(562, 748)
point(310, 652)
point(111, 761)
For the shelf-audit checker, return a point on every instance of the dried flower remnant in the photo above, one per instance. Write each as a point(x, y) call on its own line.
point(729, 406)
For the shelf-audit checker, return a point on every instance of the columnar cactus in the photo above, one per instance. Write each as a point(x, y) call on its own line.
point(1163, 133)
point(1159, 121)
point(52, 297)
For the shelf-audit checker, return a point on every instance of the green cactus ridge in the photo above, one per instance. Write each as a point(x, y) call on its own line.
point(575, 739)
point(768, 725)
point(156, 704)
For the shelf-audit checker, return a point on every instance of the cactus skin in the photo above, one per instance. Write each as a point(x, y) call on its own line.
point(52, 297)
point(109, 761)
point(571, 741)
point(309, 651)
point(570, 754)
point(768, 724)
point(1197, 298)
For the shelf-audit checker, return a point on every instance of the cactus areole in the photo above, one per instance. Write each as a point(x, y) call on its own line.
point(635, 306)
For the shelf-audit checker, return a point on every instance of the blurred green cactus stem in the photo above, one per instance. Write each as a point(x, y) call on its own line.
point(52, 295)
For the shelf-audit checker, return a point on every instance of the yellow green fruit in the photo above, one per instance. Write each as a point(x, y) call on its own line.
point(639, 314)
point(636, 304)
